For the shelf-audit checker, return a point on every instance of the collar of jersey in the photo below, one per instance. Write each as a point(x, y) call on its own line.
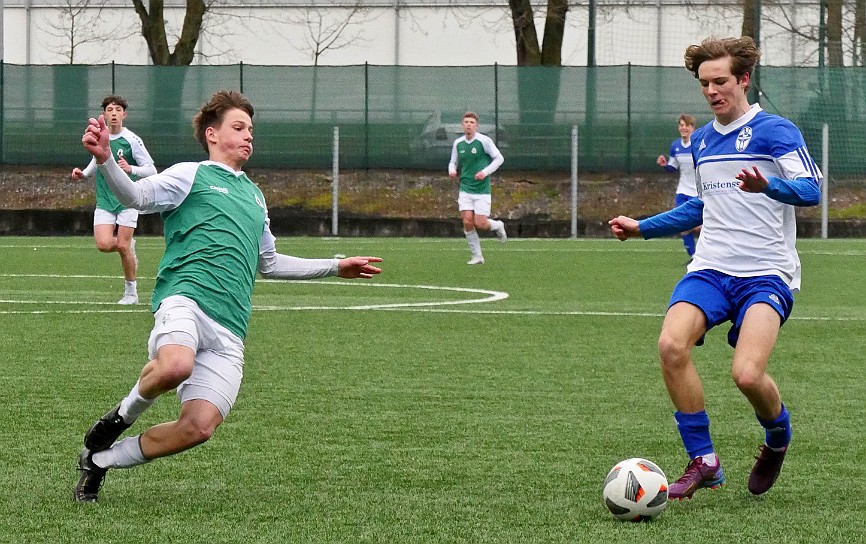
point(237, 173)
point(745, 118)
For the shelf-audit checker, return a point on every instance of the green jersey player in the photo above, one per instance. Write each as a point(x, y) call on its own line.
point(218, 238)
point(475, 157)
point(114, 224)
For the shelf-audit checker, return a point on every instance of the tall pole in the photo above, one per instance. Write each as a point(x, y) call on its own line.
point(590, 36)
point(574, 181)
point(825, 186)
point(335, 186)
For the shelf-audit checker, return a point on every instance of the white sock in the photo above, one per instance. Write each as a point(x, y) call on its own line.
point(710, 459)
point(123, 454)
point(474, 243)
point(496, 225)
point(130, 287)
point(133, 405)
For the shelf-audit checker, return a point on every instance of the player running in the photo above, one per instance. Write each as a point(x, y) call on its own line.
point(753, 168)
point(475, 157)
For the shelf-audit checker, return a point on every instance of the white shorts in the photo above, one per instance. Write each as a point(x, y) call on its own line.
point(219, 353)
point(126, 218)
point(480, 204)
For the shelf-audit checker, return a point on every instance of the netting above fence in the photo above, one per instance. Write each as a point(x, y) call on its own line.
point(407, 117)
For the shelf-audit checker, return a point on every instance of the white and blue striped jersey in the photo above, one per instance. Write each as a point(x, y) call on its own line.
point(746, 234)
point(681, 160)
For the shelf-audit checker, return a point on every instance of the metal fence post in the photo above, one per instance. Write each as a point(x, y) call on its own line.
point(574, 181)
point(335, 186)
point(825, 185)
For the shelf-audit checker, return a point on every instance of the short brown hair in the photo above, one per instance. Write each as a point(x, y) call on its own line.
point(471, 115)
point(687, 119)
point(114, 99)
point(212, 113)
point(743, 52)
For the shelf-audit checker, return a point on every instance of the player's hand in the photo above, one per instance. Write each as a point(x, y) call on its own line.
point(359, 267)
point(662, 161)
point(752, 182)
point(77, 173)
point(624, 227)
point(480, 175)
point(452, 175)
point(95, 139)
point(124, 165)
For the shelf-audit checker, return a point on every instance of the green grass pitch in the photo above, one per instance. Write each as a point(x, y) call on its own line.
point(425, 405)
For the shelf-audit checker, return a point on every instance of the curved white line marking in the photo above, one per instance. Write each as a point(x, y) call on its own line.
point(489, 296)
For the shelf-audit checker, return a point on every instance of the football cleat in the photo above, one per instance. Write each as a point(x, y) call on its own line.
point(92, 476)
point(105, 431)
point(475, 260)
point(503, 237)
point(698, 475)
point(766, 469)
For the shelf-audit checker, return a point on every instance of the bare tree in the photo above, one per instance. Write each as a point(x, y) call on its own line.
point(78, 25)
point(835, 56)
point(152, 19)
point(860, 33)
point(324, 31)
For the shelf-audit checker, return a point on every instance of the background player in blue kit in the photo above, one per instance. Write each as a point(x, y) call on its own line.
point(752, 169)
point(680, 160)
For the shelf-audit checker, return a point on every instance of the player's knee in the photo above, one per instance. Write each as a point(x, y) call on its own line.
point(105, 246)
point(196, 432)
point(170, 372)
point(747, 378)
point(673, 352)
point(481, 224)
point(123, 245)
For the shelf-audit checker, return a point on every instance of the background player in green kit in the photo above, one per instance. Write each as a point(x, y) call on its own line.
point(133, 158)
point(475, 156)
point(217, 238)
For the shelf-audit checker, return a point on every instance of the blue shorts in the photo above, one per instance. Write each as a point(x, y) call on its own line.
point(726, 298)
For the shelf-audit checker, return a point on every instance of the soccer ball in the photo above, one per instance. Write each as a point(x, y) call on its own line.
point(635, 490)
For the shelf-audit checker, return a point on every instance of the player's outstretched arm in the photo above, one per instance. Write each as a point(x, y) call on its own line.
point(359, 267)
point(624, 227)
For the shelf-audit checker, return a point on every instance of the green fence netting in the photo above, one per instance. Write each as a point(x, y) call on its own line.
point(405, 116)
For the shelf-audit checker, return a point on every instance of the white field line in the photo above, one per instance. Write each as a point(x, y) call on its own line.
point(515, 245)
point(431, 307)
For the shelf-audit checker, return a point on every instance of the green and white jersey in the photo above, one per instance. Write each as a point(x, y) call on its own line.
point(124, 145)
point(470, 157)
point(214, 220)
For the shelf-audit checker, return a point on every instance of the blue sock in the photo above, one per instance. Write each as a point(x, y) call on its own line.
point(777, 431)
point(689, 242)
point(695, 432)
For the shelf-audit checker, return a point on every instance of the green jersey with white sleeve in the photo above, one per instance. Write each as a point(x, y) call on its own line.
point(217, 236)
point(212, 243)
point(472, 156)
point(128, 146)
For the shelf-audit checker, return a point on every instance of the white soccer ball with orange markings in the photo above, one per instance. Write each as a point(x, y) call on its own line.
point(635, 490)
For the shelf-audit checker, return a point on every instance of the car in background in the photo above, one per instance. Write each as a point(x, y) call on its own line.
point(433, 145)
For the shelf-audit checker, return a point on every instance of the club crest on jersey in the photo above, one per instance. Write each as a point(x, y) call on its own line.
point(474, 151)
point(703, 145)
point(743, 138)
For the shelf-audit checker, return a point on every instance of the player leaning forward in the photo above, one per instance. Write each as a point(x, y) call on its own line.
point(752, 169)
point(476, 157)
point(217, 237)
